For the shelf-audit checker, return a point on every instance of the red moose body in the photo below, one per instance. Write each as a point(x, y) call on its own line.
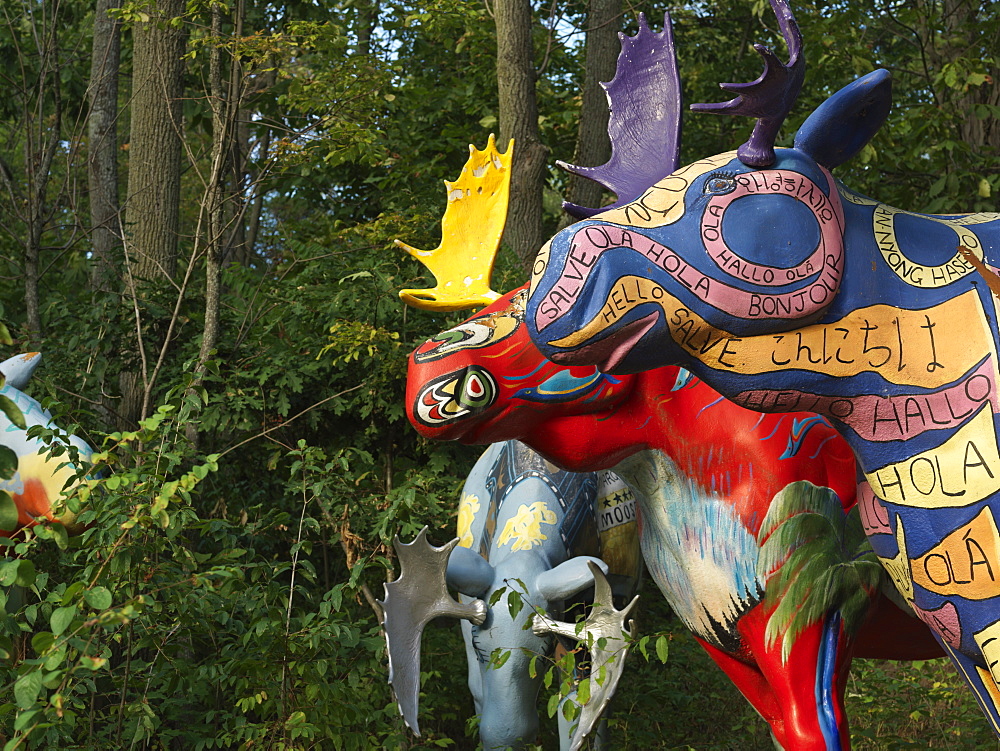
point(483, 381)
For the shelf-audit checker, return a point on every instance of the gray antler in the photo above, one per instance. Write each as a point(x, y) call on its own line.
point(606, 637)
point(771, 96)
point(414, 598)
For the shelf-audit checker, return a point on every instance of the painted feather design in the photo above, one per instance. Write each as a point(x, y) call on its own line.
point(697, 550)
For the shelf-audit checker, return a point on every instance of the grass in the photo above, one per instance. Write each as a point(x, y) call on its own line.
point(688, 704)
point(894, 705)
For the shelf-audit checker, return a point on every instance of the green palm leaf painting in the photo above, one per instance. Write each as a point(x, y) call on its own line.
point(816, 561)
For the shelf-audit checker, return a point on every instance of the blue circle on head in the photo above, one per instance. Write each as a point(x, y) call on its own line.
point(923, 242)
point(772, 230)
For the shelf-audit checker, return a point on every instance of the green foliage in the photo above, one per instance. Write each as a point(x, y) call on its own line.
point(166, 621)
point(917, 705)
point(219, 596)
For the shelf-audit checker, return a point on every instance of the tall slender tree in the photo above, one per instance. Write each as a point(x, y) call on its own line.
point(35, 85)
point(152, 209)
point(518, 107)
point(592, 144)
point(154, 178)
point(102, 139)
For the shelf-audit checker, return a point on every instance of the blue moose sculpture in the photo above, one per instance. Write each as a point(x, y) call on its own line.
point(529, 528)
point(784, 290)
point(44, 471)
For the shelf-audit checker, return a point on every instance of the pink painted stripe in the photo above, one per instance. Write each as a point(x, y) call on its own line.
point(889, 418)
point(590, 242)
point(874, 517)
point(772, 182)
point(944, 621)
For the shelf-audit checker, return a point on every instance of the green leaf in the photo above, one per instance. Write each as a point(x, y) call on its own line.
point(42, 641)
point(8, 462)
point(642, 647)
point(514, 604)
point(661, 648)
point(553, 705)
point(98, 598)
point(570, 710)
point(8, 572)
point(497, 594)
point(13, 412)
point(24, 719)
point(71, 591)
point(27, 687)
point(61, 618)
point(60, 535)
point(8, 512)
point(500, 657)
point(25, 573)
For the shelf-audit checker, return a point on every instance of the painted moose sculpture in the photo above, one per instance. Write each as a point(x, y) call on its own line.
point(785, 290)
point(711, 479)
point(510, 486)
point(529, 528)
point(702, 493)
point(43, 471)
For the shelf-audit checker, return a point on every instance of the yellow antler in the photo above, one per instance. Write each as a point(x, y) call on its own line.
point(471, 228)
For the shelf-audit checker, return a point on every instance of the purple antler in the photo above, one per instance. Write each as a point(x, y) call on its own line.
point(645, 123)
point(770, 97)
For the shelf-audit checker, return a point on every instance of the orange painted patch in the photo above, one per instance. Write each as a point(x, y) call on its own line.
point(33, 503)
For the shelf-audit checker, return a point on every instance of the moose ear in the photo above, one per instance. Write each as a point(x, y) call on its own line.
point(18, 369)
point(469, 573)
point(841, 126)
point(568, 578)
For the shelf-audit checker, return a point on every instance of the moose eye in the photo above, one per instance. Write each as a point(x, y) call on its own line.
point(719, 183)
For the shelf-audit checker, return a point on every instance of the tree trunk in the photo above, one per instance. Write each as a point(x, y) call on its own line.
point(256, 205)
point(38, 168)
point(239, 206)
point(367, 20)
point(154, 178)
point(593, 147)
point(224, 98)
point(152, 211)
point(43, 126)
point(102, 159)
point(519, 120)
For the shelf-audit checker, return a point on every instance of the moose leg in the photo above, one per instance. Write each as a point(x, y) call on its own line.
point(476, 664)
point(789, 695)
point(808, 687)
point(749, 680)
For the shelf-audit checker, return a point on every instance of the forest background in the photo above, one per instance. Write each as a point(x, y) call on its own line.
point(197, 206)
